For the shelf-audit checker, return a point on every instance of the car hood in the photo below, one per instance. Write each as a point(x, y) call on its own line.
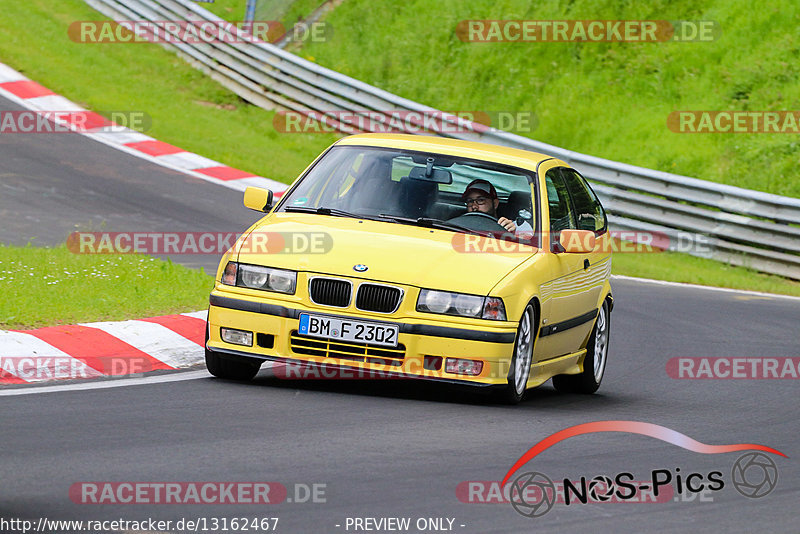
point(391, 252)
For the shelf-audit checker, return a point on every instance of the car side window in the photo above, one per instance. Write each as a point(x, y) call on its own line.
point(562, 216)
point(589, 212)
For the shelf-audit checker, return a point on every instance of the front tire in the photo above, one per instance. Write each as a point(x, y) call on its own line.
point(224, 367)
point(520, 370)
point(594, 363)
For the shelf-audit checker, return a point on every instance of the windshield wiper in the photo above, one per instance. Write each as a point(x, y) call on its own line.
point(426, 222)
point(329, 211)
point(439, 224)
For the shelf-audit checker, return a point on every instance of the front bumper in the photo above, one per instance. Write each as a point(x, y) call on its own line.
point(274, 325)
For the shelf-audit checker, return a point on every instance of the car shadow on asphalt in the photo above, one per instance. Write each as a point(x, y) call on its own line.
point(543, 397)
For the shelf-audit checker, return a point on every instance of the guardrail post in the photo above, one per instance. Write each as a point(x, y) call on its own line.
point(250, 11)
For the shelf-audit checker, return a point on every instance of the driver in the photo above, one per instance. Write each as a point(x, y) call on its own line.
point(480, 195)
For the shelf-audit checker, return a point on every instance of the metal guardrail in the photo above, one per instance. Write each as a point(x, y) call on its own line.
point(744, 227)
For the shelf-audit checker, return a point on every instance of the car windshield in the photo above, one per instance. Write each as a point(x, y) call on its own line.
point(404, 186)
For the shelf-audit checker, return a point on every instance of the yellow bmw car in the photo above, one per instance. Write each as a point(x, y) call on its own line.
point(420, 257)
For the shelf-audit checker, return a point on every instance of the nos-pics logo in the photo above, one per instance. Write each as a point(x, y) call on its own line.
point(533, 494)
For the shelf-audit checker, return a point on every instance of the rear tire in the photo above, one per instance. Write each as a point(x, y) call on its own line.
point(229, 367)
point(594, 363)
point(514, 391)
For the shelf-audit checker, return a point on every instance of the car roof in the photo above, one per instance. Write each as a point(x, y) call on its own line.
point(453, 147)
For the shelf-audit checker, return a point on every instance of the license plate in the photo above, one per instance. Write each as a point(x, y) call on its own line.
point(347, 330)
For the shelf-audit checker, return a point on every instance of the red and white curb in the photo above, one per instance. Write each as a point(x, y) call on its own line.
point(94, 350)
point(35, 97)
point(123, 348)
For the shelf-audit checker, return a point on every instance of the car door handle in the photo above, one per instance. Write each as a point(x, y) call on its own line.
point(585, 264)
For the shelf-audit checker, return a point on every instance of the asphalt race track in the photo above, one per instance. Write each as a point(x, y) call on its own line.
point(386, 449)
point(55, 184)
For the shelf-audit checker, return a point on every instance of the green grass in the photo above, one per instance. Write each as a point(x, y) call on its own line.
point(606, 99)
point(297, 10)
point(49, 286)
point(226, 9)
point(287, 12)
point(187, 108)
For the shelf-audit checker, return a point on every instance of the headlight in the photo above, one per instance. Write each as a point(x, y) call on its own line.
point(282, 281)
point(460, 304)
point(469, 305)
point(257, 277)
point(434, 301)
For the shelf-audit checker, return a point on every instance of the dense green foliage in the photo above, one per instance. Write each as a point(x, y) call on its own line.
point(606, 99)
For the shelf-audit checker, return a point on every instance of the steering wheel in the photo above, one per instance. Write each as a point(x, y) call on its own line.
point(477, 220)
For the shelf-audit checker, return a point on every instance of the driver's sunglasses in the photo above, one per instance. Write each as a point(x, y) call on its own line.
point(480, 201)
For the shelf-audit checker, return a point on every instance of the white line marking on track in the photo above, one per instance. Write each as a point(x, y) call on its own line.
point(696, 286)
point(107, 384)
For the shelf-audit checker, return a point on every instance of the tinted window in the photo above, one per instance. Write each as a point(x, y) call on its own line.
point(588, 211)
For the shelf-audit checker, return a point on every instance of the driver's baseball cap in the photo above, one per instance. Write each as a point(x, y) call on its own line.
point(484, 186)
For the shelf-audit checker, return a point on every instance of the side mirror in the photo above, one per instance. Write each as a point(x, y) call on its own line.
point(258, 199)
point(577, 241)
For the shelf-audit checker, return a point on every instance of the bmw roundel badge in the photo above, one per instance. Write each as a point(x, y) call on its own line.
point(360, 268)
